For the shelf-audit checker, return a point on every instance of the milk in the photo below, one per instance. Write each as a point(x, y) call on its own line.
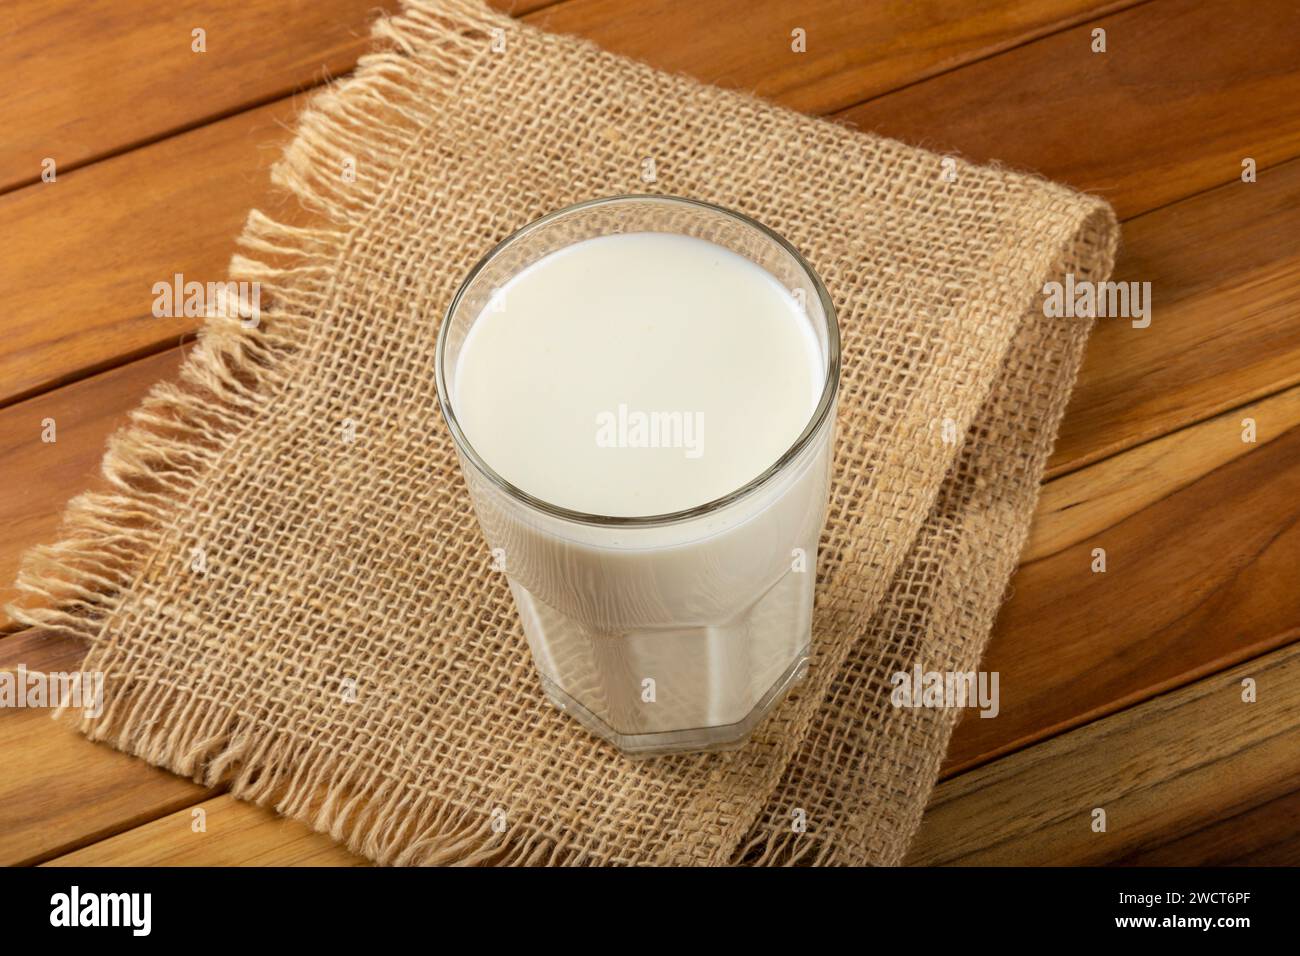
point(636, 376)
point(639, 323)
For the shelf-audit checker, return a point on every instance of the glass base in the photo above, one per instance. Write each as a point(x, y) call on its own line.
point(693, 739)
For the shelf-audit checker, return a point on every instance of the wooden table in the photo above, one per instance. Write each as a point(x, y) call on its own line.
point(1120, 690)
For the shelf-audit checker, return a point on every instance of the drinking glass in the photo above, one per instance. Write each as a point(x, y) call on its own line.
point(669, 632)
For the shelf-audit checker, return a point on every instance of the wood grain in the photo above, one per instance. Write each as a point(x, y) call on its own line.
point(235, 834)
point(79, 257)
point(72, 84)
point(1081, 505)
point(1224, 268)
point(92, 78)
point(95, 77)
point(58, 790)
point(1267, 835)
point(1176, 764)
point(1185, 91)
point(1198, 536)
point(853, 51)
point(39, 477)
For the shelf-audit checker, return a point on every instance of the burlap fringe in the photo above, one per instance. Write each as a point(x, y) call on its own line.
point(157, 462)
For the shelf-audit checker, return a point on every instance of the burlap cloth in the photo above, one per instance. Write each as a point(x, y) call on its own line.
point(331, 565)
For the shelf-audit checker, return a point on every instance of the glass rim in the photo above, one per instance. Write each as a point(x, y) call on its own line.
point(819, 415)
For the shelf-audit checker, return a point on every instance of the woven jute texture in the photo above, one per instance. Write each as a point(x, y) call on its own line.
point(345, 652)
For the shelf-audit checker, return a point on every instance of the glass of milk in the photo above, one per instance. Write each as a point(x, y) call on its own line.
point(642, 392)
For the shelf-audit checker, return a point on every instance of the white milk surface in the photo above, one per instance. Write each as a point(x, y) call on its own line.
point(597, 352)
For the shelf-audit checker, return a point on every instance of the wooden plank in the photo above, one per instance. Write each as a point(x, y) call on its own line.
point(1082, 505)
point(39, 476)
point(852, 51)
point(235, 834)
point(58, 790)
point(1198, 528)
point(1185, 90)
point(94, 77)
point(73, 83)
point(91, 78)
point(1267, 835)
point(1176, 764)
point(1224, 269)
point(79, 257)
